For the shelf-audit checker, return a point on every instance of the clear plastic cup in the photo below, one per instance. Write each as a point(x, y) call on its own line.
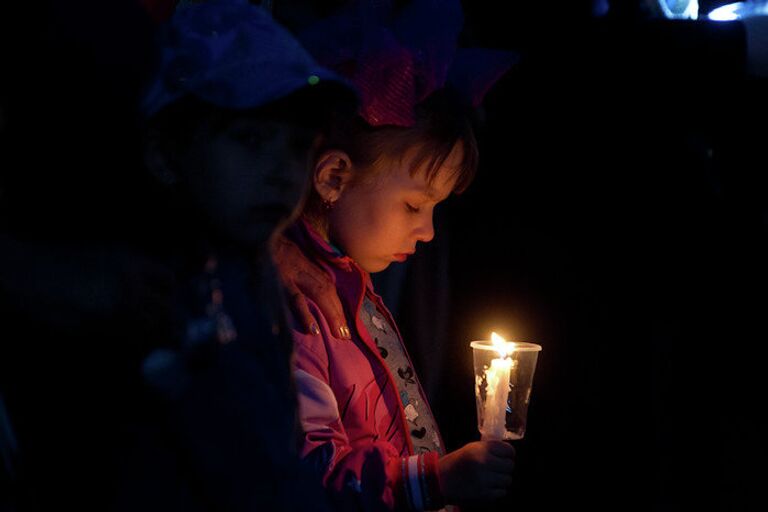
point(503, 388)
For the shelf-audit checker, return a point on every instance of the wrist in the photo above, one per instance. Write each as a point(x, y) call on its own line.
point(420, 482)
point(434, 484)
point(444, 465)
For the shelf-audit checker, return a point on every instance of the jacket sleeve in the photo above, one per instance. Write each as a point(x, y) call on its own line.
point(369, 476)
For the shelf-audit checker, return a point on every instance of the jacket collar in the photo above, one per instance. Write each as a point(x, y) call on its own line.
point(326, 252)
point(351, 281)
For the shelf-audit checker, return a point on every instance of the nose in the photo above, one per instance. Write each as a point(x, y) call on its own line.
point(425, 231)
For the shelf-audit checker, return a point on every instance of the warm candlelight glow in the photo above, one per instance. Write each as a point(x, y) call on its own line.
point(502, 346)
point(497, 389)
point(503, 378)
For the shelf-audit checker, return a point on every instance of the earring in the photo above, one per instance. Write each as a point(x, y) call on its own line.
point(328, 204)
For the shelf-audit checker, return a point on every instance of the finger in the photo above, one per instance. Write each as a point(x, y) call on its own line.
point(291, 289)
point(288, 260)
point(498, 481)
point(301, 310)
point(314, 283)
point(501, 449)
point(333, 312)
point(319, 289)
point(501, 466)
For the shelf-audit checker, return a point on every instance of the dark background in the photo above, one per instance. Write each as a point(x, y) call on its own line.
point(618, 219)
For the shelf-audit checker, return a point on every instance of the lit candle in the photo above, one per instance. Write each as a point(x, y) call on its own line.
point(497, 390)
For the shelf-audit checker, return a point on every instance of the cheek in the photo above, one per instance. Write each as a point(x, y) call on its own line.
point(356, 222)
point(370, 227)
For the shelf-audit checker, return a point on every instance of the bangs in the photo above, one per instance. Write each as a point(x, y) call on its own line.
point(443, 122)
point(435, 153)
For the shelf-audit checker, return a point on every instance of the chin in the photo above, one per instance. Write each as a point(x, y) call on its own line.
point(372, 268)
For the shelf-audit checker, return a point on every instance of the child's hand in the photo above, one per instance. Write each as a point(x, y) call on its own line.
point(477, 472)
point(301, 279)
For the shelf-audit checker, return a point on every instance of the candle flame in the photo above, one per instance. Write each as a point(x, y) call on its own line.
point(502, 346)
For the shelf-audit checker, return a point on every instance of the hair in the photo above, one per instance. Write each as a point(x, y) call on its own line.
point(442, 121)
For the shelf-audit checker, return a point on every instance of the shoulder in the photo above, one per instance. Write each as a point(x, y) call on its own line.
point(324, 353)
point(316, 347)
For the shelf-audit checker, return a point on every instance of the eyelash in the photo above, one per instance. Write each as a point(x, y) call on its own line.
point(411, 209)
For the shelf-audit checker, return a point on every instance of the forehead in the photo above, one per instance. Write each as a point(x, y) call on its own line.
point(437, 186)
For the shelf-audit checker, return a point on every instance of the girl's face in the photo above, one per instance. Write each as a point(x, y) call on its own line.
point(380, 220)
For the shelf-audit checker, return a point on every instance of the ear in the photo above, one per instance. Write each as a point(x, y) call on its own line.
point(157, 160)
point(332, 174)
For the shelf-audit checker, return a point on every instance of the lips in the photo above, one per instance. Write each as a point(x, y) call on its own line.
point(401, 257)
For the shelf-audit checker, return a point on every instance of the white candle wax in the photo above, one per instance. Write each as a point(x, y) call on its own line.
point(496, 395)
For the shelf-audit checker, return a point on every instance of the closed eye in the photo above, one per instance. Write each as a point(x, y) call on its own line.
point(411, 209)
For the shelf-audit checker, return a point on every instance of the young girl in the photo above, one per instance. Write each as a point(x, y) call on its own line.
point(367, 423)
point(377, 179)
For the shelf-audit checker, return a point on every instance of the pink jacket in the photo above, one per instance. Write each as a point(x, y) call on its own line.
point(356, 432)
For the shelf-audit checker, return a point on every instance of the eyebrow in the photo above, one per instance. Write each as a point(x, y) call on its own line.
point(430, 192)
